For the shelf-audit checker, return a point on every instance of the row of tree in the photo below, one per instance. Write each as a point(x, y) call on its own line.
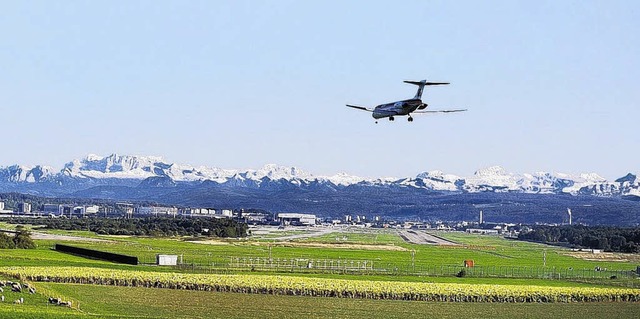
point(150, 226)
point(21, 240)
point(614, 239)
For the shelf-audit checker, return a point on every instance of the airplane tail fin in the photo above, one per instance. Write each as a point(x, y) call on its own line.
point(421, 85)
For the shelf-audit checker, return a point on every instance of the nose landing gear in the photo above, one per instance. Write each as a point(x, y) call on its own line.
point(410, 119)
point(391, 118)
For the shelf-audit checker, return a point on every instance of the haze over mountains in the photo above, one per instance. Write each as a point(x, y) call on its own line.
point(527, 197)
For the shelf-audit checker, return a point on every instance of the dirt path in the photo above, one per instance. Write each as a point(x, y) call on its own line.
point(604, 256)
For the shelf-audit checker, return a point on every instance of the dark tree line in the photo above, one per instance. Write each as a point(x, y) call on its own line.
point(20, 240)
point(152, 226)
point(599, 237)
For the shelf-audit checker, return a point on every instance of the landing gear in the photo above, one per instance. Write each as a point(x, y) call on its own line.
point(391, 118)
point(410, 119)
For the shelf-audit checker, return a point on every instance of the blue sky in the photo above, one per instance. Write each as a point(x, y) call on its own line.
point(550, 85)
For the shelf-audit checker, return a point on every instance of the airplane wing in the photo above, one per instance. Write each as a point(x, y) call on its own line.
point(360, 108)
point(438, 111)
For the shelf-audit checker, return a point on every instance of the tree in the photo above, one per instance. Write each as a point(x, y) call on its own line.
point(6, 242)
point(22, 239)
point(617, 242)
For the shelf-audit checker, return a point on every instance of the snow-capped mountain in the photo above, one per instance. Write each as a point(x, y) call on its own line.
point(26, 174)
point(435, 180)
point(139, 167)
point(159, 173)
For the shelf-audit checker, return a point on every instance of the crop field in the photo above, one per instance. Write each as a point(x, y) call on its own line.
point(135, 302)
point(323, 287)
point(413, 289)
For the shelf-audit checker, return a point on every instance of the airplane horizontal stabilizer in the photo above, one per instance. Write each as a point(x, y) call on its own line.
point(426, 83)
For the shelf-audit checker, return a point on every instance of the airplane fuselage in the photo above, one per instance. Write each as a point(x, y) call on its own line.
point(404, 107)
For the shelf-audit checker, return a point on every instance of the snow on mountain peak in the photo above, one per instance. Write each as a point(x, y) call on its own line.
point(438, 174)
point(592, 177)
point(430, 174)
point(117, 166)
point(276, 172)
point(28, 174)
point(344, 179)
point(434, 180)
point(490, 179)
point(491, 171)
point(494, 178)
point(93, 157)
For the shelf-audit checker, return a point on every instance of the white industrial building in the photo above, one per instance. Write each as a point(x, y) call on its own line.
point(2, 210)
point(67, 210)
point(482, 231)
point(157, 210)
point(200, 211)
point(85, 210)
point(24, 208)
point(207, 212)
point(166, 260)
point(52, 209)
point(297, 219)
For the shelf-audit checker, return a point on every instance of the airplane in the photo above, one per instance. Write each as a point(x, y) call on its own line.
point(405, 107)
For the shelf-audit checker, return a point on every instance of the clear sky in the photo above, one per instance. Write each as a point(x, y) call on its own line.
point(550, 85)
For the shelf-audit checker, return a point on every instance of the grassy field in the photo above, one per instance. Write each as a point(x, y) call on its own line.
point(123, 302)
point(382, 247)
point(368, 237)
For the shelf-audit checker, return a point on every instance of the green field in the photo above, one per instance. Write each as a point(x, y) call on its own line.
point(123, 302)
point(384, 248)
point(484, 250)
point(380, 249)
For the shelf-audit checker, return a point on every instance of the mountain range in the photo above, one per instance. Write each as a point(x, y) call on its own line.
point(429, 194)
point(150, 170)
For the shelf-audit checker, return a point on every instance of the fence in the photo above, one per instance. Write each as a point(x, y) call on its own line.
point(300, 264)
point(546, 272)
point(307, 265)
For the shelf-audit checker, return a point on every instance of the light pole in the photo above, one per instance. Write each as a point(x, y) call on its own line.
point(413, 259)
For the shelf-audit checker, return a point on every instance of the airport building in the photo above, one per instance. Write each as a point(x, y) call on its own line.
point(53, 209)
point(157, 210)
point(297, 219)
point(24, 208)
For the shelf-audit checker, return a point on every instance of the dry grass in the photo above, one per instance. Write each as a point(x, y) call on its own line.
point(604, 256)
